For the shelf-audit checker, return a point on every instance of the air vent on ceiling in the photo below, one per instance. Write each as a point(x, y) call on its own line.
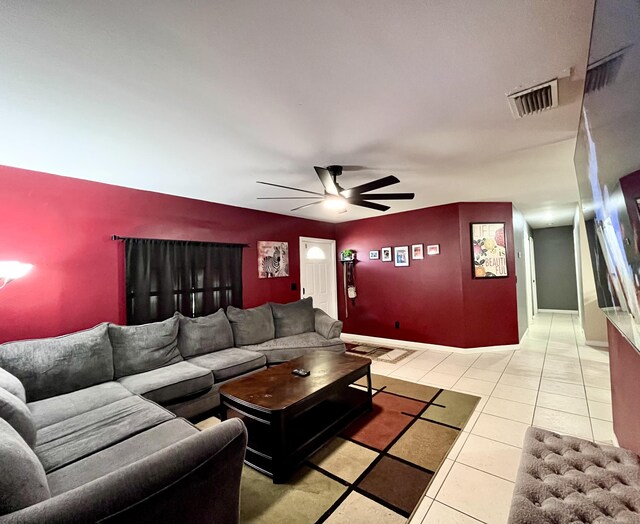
point(604, 71)
point(534, 99)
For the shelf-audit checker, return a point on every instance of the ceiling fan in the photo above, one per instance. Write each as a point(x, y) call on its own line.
point(336, 197)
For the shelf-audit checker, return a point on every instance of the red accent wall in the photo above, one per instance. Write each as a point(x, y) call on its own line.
point(63, 226)
point(436, 300)
point(624, 362)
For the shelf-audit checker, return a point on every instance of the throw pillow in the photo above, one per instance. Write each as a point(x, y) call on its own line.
point(201, 335)
point(16, 413)
point(12, 384)
point(294, 318)
point(49, 367)
point(23, 481)
point(251, 326)
point(137, 349)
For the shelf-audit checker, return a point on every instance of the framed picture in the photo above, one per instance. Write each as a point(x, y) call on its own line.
point(433, 249)
point(401, 256)
point(273, 259)
point(374, 255)
point(417, 251)
point(489, 250)
point(386, 254)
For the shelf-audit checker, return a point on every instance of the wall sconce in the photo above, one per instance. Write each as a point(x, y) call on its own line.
point(12, 269)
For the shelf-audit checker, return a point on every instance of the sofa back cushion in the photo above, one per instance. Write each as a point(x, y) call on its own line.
point(294, 318)
point(23, 481)
point(201, 335)
point(12, 384)
point(49, 367)
point(15, 412)
point(137, 349)
point(251, 326)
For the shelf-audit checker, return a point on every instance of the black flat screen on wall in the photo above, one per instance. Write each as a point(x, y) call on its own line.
point(607, 161)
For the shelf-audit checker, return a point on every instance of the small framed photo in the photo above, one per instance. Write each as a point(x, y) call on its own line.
point(386, 254)
point(374, 255)
point(433, 249)
point(417, 251)
point(401, 256)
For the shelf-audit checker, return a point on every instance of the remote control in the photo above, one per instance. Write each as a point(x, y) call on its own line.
point(301, 372)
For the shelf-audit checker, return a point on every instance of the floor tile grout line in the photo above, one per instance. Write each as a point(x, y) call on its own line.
point(487, 472)
point(454, 509)
point(546, 349)
point(584, 386)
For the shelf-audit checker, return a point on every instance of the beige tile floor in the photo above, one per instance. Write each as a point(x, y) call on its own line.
point(553, 381)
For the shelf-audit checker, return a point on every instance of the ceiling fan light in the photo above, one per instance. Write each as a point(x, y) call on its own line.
point(335, 202)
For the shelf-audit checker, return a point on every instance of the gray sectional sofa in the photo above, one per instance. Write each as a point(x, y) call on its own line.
point(88, 421)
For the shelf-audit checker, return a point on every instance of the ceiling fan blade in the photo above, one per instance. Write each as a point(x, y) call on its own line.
point(387, 196)
point(306, 205)
point(292, 188)
point(327, 180)
point(354, 168)
point(370, 205)
point(288, 198)
point(370, 186)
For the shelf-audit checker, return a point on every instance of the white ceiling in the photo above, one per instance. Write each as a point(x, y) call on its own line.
point(202, 99)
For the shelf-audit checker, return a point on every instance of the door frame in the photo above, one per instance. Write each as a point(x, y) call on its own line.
point(534, 285)
point(333, 272)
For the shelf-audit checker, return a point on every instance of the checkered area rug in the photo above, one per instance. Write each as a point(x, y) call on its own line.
point(377, 470)
point(388, 355)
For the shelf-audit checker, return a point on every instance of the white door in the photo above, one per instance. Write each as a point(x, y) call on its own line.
point(318, 273)
point(534, 288)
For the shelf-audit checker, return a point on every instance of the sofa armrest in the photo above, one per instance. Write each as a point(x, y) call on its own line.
point(194, 480)
point(327, 326)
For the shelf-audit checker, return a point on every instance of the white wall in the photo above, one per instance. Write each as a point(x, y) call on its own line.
point(578, 253)
point(521, 241)
point(594, 321)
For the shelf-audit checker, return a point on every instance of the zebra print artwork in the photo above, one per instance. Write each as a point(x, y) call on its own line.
point(273, 259)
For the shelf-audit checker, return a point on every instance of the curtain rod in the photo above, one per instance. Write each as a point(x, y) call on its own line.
point(116, 237)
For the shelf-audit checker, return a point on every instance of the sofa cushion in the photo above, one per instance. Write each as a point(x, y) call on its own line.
point(287, 348)
point(293, 318)
point(119, 455)
point(23, 481)
point(200, 335)
point(327, 326)
point(140, 348)
point(170, 383)
point(55, 409)
point(73, 439)
point(230, 363)
point(251, 326)
point(53, 366)
point(16, 413)
point(12, 384)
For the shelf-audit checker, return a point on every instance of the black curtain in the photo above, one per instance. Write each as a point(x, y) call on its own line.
point(195, 278)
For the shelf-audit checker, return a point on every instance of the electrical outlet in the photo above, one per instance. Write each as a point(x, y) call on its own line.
point(397, 324)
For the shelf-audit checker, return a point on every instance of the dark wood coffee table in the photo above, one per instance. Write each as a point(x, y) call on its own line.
point(289, 417)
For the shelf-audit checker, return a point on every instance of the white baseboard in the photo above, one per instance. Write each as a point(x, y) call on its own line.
point(615, 439)
point(405, 344)
point(524, 334)
point(559, 311)
point(597, 343)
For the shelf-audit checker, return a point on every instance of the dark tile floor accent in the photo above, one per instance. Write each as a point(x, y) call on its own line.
point(390, 415)
point(396, 483)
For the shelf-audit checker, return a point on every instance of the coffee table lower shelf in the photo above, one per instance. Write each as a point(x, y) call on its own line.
point(279, 440)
